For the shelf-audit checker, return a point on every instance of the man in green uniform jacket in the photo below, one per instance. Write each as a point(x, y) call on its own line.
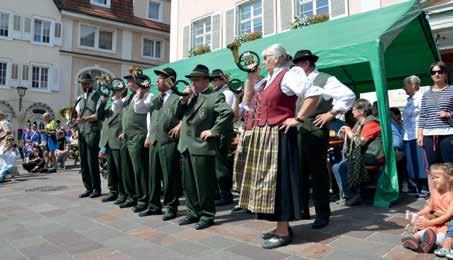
point(111, 129)
point(89, 128)
point(162, 140)
point(204, 115)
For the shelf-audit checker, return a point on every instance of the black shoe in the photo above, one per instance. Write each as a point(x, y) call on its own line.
point(137, 209)
point(169, 214)
point(187, 220)
point(306, 215)
point(202, 224)
point(110, 197)
point(95, 194)
point(223, 202)
point(87, 193)
point(355, 200)
point(150, 212)
point(277, 241)
point(320, 223)
point(128, 204)
point(119, 201)
point(271, 234)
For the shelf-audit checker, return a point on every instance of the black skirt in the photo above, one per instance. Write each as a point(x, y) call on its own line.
point(288, 197)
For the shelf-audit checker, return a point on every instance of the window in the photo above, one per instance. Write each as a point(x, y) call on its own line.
point(152, 48)
point(201, 32)
point(17, 22)
point(3, 70)
point(250, 17)
point(312, 7)
point(95, 37)
point(101, 3)
point(4, 24)
point(40, 77)
point(154, 10)
point(41, 31)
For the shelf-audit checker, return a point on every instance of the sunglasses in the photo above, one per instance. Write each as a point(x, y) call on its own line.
point(440, 72)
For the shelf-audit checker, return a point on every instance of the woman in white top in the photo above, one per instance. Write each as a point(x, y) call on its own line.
point(415, 160)
point(8, 157)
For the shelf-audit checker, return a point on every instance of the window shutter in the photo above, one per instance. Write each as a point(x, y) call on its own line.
point(337, 8)
point(216, 32)
point(268, 17)
point(57, 34)
point(186, 40)
point(27, 29)
point(54, 79)
point(286, 14)
point(26, 82)
point(17, 25)
point(14, 78)
point(231, 25)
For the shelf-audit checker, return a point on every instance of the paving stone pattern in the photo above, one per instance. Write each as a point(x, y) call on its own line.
point(41, 217)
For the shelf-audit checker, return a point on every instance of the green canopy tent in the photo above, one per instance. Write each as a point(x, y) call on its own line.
point(371, 51)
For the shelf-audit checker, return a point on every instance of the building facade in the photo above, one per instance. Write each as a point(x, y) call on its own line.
point(47, 46)
point(217, 23)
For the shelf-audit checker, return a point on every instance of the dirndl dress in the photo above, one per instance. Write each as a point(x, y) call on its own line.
point(271, 185)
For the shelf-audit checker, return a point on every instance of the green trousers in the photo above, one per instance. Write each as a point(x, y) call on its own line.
point(139, 159)
point(127, 173)
point(313, 147)
point(164, 169)
point(89, 160)
point(114, 167)
point(199, 184)
point(224, 169)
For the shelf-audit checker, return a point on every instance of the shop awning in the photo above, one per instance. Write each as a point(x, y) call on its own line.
point(371, 51)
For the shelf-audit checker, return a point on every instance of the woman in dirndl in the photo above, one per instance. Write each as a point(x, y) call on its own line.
point(271, 185)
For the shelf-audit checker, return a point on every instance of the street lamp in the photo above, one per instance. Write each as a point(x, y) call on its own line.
point(21, 92)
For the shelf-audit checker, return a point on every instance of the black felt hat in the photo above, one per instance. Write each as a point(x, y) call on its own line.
point(86, 78)
point(305, 55)
point(167, 73)
point(199, 71)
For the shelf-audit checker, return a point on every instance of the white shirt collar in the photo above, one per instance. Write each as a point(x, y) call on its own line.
point(313, 75)
point(269, 79)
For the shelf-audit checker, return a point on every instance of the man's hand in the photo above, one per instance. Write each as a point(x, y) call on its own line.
point(104, 97)
point(121, 137)
point(146, 144)
point(443, 114)
point(206, 134)
point(322, 119)
point(420, 140)
point(80, 120)
point(288, 123)
point(174, 132)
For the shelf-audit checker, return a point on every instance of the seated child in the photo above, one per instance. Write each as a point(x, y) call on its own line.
point(431, 222)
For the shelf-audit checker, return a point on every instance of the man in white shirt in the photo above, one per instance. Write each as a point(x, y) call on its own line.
point(313, 135)
point(134, 131)
point(224, 157)
point(414, 154)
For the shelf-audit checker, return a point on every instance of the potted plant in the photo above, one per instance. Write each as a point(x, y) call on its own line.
point(202, 49)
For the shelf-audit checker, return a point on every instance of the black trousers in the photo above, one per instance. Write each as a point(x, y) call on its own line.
point(89, 162)
point(224, 169)
point(438, 149)
point(313, 147)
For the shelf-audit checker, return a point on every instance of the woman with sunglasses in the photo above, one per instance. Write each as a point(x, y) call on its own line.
point(435, 130)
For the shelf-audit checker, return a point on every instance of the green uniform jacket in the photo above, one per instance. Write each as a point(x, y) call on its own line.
point(111, 126)
point(209, 112)
point(163, 119)
point(94, 127)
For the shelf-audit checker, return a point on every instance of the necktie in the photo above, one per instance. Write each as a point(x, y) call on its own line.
point(161, 98)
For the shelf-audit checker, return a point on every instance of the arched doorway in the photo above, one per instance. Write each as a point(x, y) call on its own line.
point(35, 111)
point(94, 72)
point(8, 110)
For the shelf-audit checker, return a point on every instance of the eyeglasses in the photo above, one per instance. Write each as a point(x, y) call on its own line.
point(440, 72)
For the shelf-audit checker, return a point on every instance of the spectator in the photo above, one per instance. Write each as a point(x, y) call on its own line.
point(35, 160)
point(31, 138)
point(435, 129)
point(61, 152)
point(398, 144)
point(50, 141)
point(415, 158)
point(5, 129)
point(365, 145)
point(8, 156)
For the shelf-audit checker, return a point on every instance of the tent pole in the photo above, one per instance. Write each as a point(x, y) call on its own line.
point(387, 190)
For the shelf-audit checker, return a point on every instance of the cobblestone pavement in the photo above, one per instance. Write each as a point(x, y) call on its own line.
point(41, 217)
